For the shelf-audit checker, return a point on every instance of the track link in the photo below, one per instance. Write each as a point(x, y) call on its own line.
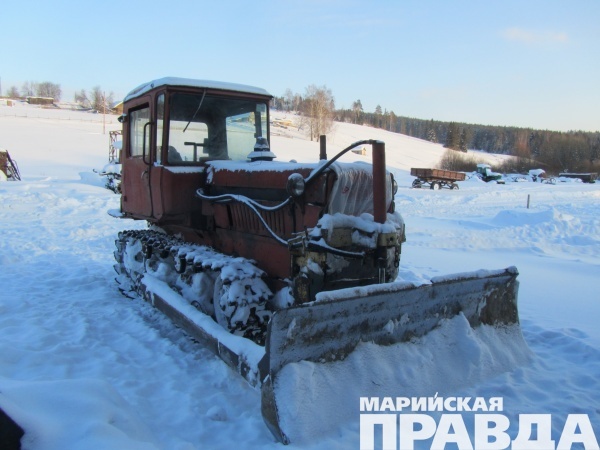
point(229, 289)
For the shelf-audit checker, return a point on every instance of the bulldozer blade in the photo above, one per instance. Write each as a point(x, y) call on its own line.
point(331, 327)
point(240, 354)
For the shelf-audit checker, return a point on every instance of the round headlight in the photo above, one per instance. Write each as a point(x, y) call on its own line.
point(295, 185)
point(394, 186)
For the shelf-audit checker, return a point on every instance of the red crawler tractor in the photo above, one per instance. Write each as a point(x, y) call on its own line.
point(261, 260)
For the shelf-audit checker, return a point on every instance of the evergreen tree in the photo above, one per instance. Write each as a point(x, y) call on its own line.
point(462, 143)
point(431, 134)
point(378, 117)
point(357, 109)
point(452, 137)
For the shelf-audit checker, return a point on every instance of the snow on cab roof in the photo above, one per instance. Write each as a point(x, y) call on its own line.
point(190, 82)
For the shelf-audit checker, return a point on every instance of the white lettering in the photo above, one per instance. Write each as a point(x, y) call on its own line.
point(435, 403)
point(480, 404)
point(460, 435)
point(490, 430)
point(463, 404)
point(496, 404)
point(402, 402)
point(542, 440)
point(408, 434)
point(570, 436)
point(387, 404)
point(448, 404)
point(389, 431)
point(483, 432)
point(419, 403)
point(369, 404)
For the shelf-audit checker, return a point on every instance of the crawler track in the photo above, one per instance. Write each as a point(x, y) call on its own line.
point(229, 289)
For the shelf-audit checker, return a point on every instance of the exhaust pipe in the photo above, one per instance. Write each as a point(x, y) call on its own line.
point(379, 200)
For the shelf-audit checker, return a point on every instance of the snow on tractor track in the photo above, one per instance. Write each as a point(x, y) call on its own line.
point(82, 367)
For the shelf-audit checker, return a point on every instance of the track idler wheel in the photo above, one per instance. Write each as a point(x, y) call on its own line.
point(238, 316)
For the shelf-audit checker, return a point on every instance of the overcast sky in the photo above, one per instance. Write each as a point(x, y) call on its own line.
point(526, 63)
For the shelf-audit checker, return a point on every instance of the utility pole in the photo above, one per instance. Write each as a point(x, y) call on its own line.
point(103, 112)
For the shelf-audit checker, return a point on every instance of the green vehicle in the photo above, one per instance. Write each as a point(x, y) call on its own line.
point(485, 172)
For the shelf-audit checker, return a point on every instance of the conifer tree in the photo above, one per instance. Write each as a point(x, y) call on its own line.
point(462, 143)
point(431, 134)
point(452, 137)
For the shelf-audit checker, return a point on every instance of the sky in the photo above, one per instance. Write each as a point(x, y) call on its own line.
point(515, 63)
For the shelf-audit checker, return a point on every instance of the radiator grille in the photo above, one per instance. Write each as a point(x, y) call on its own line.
point(244, 219)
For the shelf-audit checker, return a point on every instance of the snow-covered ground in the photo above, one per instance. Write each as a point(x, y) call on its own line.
point(81, 367)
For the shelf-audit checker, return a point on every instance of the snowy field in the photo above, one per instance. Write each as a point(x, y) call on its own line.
point(81, 367)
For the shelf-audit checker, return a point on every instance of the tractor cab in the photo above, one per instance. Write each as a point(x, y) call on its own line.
point(171, 128)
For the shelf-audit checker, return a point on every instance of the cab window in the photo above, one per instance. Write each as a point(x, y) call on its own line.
point(160, 116)
point(243, 129)
point(138, 132)
point(204, 127)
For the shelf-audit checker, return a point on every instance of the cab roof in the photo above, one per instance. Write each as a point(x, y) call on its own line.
point(190, 82)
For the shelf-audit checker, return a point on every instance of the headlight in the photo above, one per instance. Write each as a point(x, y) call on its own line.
point(295, 185)
point(394, 186)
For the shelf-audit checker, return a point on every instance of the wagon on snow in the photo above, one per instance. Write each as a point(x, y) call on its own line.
point(436, 178)
point(584, 177)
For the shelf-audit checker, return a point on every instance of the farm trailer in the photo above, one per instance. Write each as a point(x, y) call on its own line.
point(436, 178)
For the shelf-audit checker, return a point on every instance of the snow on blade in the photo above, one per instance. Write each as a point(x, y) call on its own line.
point(482, 273)
point(316, 398)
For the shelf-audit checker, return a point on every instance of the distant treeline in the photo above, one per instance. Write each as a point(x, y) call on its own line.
point(554, 151)
point(575, 151)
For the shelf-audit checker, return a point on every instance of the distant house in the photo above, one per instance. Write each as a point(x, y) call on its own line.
point(536, 174)
point(40, 100)
point(360, 151)
point(118, 107)
point(283, 123)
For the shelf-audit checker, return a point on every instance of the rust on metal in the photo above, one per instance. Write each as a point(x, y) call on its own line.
point(8, 166)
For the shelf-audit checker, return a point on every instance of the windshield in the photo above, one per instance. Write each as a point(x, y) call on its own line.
point(204, 127)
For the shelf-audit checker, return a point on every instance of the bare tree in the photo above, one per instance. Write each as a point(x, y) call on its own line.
point(48, 89)
point(393, 119)
point(81, 97)
point(318, 110)
point(13, 92)
point(357, 109)
point(289, 99)
point(99, 100)
point(28, 89)
point(96, 98)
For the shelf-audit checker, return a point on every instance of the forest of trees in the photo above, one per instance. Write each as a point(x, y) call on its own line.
point(554, 151)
